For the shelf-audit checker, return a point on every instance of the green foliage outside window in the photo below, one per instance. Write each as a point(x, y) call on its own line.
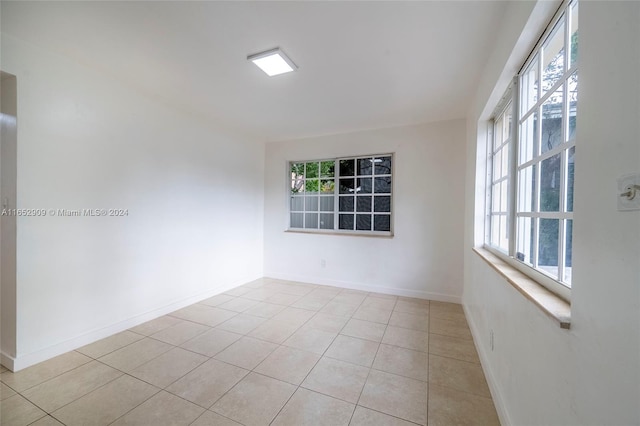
point(313, 177)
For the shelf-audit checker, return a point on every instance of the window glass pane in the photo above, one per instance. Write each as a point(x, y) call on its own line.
point(574, 35)
point(550, 184)
point(311, 220)
point(382, 204)
point(297, 203)
point(495, 229)
point(364, 186)
point(497, 165)
point(498, 134)
point(327, 186)
point(297, 170)
point(311, 204)
point(347, 167)
point(529, 138)
point(552, 121)
point(383, 165)
point(383, 185)
point(297, 186)
point(363, 204)
point(311, 170)
point(327, 169)
point(495, 197)
point(326, 204)
point(508, 113)
point(503, 238)
point(296, 220)
point(572, 87)
point(526, 188)
point(570, 172)
point(553, 57)
point(347, 186)
point(503, 195)
point(312, 185)
point(381, 222)
point(525, 240)
point(505, 161)
point(326, 220)
point(297, 177)
point(568, 249)
point(365, 166)
point(346, 204)
point(345, 221)
point(529, 87)
point(363, 222)
point(548, 246)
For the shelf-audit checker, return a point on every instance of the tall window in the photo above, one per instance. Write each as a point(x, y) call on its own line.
point(531, 211)
point(350, 195)
point(502, 142)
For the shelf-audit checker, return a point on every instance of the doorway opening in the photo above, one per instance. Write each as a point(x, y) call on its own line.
point(8, 177)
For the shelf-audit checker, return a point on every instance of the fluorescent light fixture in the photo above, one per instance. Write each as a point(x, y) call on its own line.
point(273, 62)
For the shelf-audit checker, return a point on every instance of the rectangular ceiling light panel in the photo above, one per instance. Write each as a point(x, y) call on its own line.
point(273, 62)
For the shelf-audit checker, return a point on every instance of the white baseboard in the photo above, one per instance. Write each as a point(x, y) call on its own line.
point(498, 401)
point(26, 360)
point(367, 287)
point(7, 360)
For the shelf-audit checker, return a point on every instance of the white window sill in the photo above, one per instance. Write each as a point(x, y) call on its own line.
point(552, 305)
point(343, 233)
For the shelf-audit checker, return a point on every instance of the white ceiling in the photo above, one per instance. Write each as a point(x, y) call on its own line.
point(362, 64)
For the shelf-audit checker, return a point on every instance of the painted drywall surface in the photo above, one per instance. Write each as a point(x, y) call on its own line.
point(194, 197)
point(538, 373)
point(424, 257)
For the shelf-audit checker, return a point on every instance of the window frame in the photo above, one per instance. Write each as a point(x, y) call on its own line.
point(336, 196)
point(507, 102)
point(564, 16)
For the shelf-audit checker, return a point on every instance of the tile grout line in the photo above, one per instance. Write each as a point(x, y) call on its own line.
point(371, 368)
point(213, 357)
point(82, 396)
point(209, 411)
point(91, 358)
point(47, 413)
point(390, 415)
point(18, 395)
point(141, 402)
point(282, 345)
point(252, 371)
point(123, 373)
point(107, 353)
point(279, 345)
point(314, 366)
point(35, 421)
point(53, 377)
point(151, 359)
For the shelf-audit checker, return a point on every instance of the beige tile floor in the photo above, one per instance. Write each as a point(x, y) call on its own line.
point(268, 352)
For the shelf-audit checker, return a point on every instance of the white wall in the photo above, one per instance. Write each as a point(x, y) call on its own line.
point(539, 373)
point(194, 195)
point(424, 257)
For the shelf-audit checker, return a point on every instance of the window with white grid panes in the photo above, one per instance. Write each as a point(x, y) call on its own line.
point(546, 151)
point(350, 195)
point(530, 205)
point(498, 215)
point(312, 194)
